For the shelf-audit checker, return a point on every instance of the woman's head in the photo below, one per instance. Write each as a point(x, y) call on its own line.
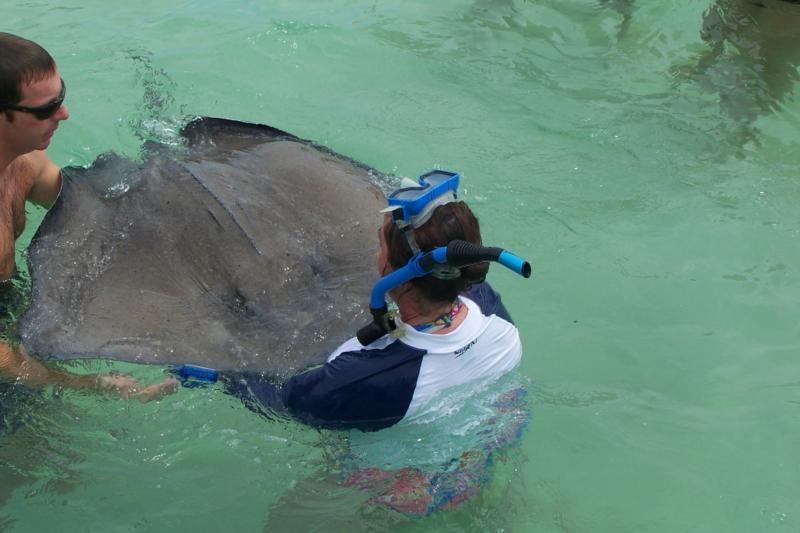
point(448, 222)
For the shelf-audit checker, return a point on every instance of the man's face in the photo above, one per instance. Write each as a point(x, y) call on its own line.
point(30, 133)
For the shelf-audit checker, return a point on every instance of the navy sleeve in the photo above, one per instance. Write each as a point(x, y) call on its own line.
point(365, 389)
point(488, 300)
point(256, 392)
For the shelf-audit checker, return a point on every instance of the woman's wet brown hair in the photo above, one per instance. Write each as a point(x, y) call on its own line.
point(449, 222)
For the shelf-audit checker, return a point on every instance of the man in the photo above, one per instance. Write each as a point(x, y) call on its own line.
point(32, 97)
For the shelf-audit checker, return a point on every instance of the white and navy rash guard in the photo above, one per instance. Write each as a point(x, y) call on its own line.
point(373, 387)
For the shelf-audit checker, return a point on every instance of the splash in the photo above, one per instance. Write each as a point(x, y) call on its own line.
point(160, 117)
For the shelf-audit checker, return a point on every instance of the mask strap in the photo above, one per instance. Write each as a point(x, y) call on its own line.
point(408, 232)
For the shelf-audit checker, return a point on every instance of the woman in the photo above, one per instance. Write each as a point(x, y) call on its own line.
point(452, 328)
point(451, 335)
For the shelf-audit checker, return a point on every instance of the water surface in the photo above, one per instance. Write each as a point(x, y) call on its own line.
point(661, 326)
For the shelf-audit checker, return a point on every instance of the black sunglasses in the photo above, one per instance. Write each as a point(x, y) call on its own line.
point(45, 111)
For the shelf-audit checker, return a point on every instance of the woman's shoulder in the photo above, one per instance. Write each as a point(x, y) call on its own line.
point(353, 346)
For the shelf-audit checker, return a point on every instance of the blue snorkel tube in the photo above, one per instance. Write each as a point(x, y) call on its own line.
point(456, 254)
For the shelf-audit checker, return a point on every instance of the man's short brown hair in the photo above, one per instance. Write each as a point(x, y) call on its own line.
point(21, 62)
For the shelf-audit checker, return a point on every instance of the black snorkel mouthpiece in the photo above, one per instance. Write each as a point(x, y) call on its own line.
point(457, 254)
point(382, 323)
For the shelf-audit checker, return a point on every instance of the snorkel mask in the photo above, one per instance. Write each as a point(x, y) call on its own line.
point(410, 207)
point(413, 203)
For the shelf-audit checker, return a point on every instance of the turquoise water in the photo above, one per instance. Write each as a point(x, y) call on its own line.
point(657, 203)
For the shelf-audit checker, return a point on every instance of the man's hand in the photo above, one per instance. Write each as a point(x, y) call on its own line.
point(122, 384)
point(128, 387)
point(158, 391)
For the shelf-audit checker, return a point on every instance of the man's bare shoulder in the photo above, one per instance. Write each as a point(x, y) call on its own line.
point(39, 162)
point(41, 178)
point(24, 169)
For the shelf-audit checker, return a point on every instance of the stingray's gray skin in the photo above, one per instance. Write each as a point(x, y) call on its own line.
point(248, 249)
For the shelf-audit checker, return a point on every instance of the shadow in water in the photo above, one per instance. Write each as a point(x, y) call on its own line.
point(625, 8)
point(32, 455)
point(751, 61)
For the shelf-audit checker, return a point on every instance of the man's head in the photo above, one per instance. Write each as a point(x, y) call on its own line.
point(31, 93)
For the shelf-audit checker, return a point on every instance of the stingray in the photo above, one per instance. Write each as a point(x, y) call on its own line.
point(246, 248)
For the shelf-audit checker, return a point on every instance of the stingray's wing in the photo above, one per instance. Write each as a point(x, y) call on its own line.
point(247, 249)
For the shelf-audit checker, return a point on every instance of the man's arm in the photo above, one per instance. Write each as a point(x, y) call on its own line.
point(47, 183)
point(16, 363)
point(7, 253)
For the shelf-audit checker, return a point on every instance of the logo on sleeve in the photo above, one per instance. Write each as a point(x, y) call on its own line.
point(463, 350)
